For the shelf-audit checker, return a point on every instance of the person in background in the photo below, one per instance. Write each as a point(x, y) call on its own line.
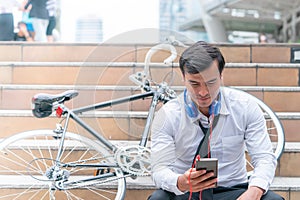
point(23, 34)
point(7, 19)
point(26, 19)
point(210, 121)
point(40, 18)
point(263, 38)
point(51, 7)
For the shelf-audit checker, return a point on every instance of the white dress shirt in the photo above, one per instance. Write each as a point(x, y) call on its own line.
point(241, 124)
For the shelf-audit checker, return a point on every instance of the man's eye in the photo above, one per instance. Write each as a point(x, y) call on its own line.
point(194, 84)
point(211, 82)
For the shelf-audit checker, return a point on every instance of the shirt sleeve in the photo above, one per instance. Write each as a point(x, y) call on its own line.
point(163, 153)
point(259, 147)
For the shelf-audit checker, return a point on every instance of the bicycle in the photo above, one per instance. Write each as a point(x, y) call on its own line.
point(58, 164)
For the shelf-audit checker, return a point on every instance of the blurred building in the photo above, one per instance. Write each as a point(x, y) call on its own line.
point(173, 13)
point(222, 18)
point(89, 29)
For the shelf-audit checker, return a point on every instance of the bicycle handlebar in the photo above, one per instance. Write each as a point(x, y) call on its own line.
point(140, 78)
point(156, 48)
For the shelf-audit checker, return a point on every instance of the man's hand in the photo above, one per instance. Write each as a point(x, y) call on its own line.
point(198, 180)
point(253, 193)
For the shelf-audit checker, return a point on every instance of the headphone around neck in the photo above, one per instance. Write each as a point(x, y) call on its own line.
point(192, 110)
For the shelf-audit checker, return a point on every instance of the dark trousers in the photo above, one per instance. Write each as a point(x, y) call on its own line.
point(219, 193)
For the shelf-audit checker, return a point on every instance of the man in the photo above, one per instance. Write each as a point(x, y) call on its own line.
point(232, 121)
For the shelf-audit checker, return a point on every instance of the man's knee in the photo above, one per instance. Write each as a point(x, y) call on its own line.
point(161, 195)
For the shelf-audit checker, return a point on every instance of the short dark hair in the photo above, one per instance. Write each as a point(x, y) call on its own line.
point(199, 57)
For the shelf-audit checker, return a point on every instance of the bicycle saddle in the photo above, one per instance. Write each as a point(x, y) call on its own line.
point(42, 103)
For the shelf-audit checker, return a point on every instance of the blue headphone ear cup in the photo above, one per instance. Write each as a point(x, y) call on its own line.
point(214, 108)
point(190, 107)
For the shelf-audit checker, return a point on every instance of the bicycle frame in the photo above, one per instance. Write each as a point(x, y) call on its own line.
point(74, 115)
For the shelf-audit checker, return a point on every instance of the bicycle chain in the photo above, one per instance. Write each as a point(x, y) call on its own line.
point(93, 184)
point(123, 158)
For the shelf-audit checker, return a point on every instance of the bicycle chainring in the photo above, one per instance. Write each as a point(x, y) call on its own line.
point(134, 160)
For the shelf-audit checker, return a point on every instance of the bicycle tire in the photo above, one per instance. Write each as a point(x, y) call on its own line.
point(25, 158)
point(275, 131)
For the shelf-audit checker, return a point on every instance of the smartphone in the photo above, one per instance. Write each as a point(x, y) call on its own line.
point(209, 164)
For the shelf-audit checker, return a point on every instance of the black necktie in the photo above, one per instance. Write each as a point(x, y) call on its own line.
point(202, 150)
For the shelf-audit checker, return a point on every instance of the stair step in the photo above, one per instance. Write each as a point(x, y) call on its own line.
point(19, 96)
point(125, 114)
point(280, 184)
point(23, 120)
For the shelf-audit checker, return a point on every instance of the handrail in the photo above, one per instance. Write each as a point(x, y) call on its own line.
point(139, 64)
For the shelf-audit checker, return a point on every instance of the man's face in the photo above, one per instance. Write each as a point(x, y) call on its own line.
point(204, 86)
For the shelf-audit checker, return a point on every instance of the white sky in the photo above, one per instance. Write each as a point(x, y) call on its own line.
point(118, 16)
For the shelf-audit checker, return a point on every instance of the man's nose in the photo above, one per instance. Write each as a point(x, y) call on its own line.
point(203, 91)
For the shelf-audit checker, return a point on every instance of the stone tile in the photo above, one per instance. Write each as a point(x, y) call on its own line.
point(283, 101)
point(118, 76)
point(78, 53)
point(237, 54)
point(138, 194)
point(112, 53)
point(289, 163)
point(284, 194)
point(277, 77)
point(21, 99)
point(89, 75)
point(45, 75)
point(115, 129)
point(111, 128)
point(10, 53)
point(239, 77)
point(294, 195)
point(141, 105)
point(56, 53)
point(6, 74)
point(12, 125)
point(291, 130)
point(270, 54)
point(259, 95)
point(136, 128)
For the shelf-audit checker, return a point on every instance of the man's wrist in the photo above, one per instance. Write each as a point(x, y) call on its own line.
point(258, 190)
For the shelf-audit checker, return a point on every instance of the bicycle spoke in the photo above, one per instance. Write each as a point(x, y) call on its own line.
point(29, 159)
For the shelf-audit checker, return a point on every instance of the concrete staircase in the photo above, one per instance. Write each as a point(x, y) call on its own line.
point(100, 72)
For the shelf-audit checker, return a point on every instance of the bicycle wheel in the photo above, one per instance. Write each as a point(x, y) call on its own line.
point(275, 131)
point(26, 160)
